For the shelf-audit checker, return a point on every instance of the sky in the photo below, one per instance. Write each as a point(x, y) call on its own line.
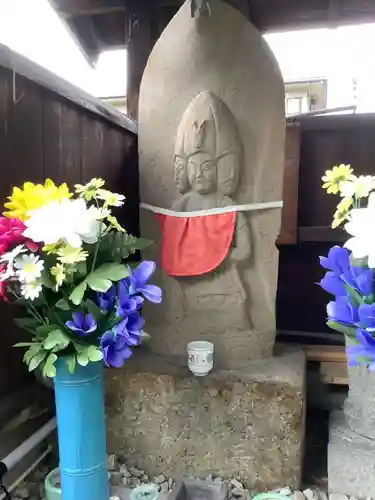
point(32, 28)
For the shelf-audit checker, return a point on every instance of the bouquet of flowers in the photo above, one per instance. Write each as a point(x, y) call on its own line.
point(350, 269)
point(62, 259)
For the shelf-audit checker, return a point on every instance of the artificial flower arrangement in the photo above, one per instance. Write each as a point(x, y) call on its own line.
point(62, 258)
point(350, 269)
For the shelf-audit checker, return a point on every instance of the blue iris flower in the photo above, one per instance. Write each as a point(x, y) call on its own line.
point(343, 311)
point(365, 349)
point(115, 349)
point(341, 273)
point(106, 300)
point(82, 324)
point(138, 282)
point(127, 304)
point(367, 316)
point(130, 328)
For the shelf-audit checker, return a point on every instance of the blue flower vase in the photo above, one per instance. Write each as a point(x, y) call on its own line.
point(81, 432)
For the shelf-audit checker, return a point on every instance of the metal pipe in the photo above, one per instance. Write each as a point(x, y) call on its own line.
point(23, 449)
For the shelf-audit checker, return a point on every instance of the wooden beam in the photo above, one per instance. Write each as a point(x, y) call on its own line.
point(334, 373)
point(87, 7)
point(322, 234)
point(289, 224)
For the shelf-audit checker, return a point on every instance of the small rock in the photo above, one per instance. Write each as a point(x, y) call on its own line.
point(298, 495)
point(136, 472)
point(126, 481)
point(22, 493)
point(311, 494)
point(160, 479)
point(285, 491)
point(116, 478)
point(145, 479)
point(209, 478)
point(170, 483)
point(111, 462)
point(218, 481)
point(164, 488)
point(236, 484)
point(124, 471)
point(337, 496)
point(240, 493)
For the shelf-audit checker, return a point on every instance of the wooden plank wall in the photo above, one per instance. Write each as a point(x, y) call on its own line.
point(45, 135)
point(324, 141)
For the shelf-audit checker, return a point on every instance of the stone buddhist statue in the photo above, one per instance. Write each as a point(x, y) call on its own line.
point(211, 139)
point(208, 159)
point(219, 141)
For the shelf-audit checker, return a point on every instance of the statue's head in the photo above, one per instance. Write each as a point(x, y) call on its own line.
point(208, 147)
point(181, 175)
point(202, 172)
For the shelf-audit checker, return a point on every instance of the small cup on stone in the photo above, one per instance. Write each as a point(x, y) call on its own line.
point(200, 357)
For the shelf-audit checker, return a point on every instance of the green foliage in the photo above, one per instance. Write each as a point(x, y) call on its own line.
point(356, 297)
point(118, 246)
point(349, 331)
point(99, 280)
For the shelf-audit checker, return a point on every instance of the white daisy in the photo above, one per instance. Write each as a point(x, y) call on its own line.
point(31, 290)
point(29, 267)
point(68, 220)
point(9, 258)
point(111, 199)
point(360, 187)
point(360, 227)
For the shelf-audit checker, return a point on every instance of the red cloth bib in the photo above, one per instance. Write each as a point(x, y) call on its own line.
point(192, 246)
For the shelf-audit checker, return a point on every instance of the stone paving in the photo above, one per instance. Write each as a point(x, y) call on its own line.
point(125, 478)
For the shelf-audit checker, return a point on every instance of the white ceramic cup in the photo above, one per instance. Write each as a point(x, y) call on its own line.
point(200, 357)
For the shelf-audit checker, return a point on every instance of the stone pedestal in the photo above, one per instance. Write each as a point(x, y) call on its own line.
point(246, 423)
point(351, 449)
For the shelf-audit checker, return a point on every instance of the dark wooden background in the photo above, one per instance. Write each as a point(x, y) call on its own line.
point(322, 141)
point(44, 134)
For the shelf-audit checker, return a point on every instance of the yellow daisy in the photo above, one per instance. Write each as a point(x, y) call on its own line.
point(33, 196)
point(333, 178)
point(342, 212)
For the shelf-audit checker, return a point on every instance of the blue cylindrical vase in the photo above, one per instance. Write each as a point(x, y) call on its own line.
point(81, 432)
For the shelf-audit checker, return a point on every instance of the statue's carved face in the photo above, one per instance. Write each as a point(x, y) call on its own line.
point(202, 172)
point(181, 176)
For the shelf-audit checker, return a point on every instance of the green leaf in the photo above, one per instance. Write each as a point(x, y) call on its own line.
point(49, 369)
point(93, 309)
point(77, 295)
point(94, 354)
point(43, 330)
point(142, 243)
point(36, 360)
point(30, 353)
point(356, 297)
point(63, 305)
point(27, 323)
point(83, 358)
point(57, 340)
point(24, 344)
point(46, 280)
point(111, 271)
point(97, 283)
point(71, 363)
point(338, 327)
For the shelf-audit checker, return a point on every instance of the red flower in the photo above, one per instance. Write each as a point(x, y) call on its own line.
point(11, 233)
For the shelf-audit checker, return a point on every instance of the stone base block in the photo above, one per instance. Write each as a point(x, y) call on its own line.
point(351, 460)
point(247, 424)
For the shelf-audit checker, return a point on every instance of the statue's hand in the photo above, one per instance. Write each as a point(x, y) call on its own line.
point(239, 254)
point(242, 241)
